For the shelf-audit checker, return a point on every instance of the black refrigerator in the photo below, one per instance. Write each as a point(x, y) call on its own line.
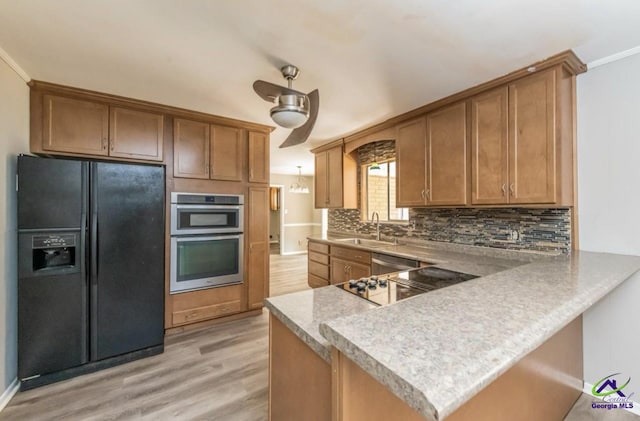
point(90, 266)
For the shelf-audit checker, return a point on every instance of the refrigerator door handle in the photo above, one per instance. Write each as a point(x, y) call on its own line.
point(93, 287)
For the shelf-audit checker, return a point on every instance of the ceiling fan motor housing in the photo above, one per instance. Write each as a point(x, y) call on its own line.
point(292, 111)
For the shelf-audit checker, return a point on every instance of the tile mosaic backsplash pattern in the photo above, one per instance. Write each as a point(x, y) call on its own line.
point(547, 230)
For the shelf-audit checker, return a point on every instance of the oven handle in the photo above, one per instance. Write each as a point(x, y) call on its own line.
point(232, 207)
point(192, 238)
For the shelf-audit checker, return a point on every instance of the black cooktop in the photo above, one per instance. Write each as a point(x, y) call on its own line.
point(393, 287)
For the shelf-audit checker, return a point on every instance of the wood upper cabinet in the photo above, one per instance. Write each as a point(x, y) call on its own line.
point(431, 154)
point(190, 149)
point(532, 139)
point(136, 134)
point(411, 163)
point(513, 141)
point(226, 153)
point(447, 155)
point(335, 179)
point(489, 148)
point(258, 157)
point(75, 126)
point(258, 246)
point(93, 128)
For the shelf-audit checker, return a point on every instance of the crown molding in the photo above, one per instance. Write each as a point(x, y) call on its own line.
point(614, 57)
point(16, 68)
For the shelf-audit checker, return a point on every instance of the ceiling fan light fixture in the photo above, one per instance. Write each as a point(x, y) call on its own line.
point(290, 112)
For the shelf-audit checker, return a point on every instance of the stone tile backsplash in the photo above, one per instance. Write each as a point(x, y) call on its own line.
point(547, 230)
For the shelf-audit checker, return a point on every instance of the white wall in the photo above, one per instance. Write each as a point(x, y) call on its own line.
point(609, 210)
point(14, 139)
point(300, 217)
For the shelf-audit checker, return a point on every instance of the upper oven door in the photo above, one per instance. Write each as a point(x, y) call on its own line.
point(206, 219)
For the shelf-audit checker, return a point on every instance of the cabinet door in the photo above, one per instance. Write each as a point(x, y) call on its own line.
point(321, 179)
point(339, 269)
point(226, 153)
point(335, 177)
point(447, 154)
point(411, 163)
point(258, 157)
point(258, 246)
point(75, 126)
point(190, 149)
point(136, 134)
point(357, 271)
point(532, 140)
point(489, 148)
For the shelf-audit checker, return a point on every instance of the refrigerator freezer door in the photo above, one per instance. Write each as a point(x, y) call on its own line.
point(50, 193)
point(127, 273)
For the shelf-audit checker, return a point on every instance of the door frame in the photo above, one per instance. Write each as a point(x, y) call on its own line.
point(280, 187)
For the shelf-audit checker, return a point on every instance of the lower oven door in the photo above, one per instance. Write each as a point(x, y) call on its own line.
point(200, 261)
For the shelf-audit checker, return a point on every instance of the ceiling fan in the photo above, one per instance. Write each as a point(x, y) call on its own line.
point(294, 109)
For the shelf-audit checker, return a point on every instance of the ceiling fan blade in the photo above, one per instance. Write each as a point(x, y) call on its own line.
point(269, 91)
point(301, 134)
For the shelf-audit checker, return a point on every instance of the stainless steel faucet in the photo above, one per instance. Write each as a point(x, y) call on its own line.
point(375, 214)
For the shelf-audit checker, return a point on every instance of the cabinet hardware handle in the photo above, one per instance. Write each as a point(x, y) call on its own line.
point(104, 143)
point(512, 190)
point(504, 189)
point(422, 193)
point(429, 194)
point(112, 144)
point(251, 173)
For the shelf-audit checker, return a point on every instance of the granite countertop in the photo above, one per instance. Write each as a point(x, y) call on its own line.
point(436, 351)
point(478, 261)
point(303, 311)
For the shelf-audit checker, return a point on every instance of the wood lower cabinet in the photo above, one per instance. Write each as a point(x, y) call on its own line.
point(136, 134)
point(257, 208)
point(344, 270)
point(258, 157)
point(198, 306)
point(299, 379)
point(335, 179)
point(75, 126)
point(318, 264)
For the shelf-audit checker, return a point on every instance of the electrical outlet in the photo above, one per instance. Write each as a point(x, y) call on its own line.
point(515, 235)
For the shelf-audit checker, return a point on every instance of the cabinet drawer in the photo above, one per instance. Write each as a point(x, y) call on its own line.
point(354, 255)
point(319, 270)
point(315, 282)
point(318, 247)
point(318, 257)
point(206, 312)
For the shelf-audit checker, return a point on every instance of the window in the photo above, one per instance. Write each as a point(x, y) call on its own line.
point(379, 192)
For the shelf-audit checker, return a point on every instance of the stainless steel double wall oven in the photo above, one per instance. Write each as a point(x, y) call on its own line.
point(206, 241)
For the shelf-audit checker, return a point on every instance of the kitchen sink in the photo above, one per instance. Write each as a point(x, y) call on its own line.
point(365, 242)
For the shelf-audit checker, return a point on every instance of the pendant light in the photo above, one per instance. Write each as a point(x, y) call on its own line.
point(375, 165)
point(299, 186)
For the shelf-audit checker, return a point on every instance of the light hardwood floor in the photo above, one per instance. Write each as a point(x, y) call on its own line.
point(215, 373)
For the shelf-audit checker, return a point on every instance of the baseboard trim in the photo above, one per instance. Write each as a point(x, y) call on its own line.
point(636, 406)
point(291, 253)
point(8, 394)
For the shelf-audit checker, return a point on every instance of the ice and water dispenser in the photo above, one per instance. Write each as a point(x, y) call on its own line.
point(51, 253)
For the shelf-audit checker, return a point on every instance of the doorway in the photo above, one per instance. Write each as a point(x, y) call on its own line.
point(276, 219)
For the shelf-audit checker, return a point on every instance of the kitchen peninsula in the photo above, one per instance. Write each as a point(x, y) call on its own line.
point(489, 345)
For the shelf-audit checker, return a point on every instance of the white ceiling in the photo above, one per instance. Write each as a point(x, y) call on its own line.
point(370, 59)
